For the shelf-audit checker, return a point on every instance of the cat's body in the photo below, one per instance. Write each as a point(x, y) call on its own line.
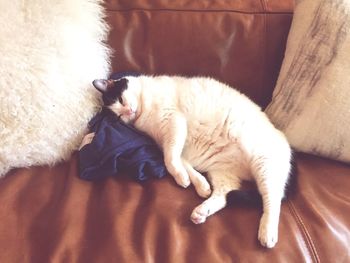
point(204, 125)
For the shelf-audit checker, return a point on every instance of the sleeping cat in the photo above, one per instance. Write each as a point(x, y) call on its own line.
point(203, 125)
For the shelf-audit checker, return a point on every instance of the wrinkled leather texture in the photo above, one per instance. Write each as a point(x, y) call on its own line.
point(50, 215)
point(239, 42)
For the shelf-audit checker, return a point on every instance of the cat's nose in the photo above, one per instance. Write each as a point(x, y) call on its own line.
point(129, 111)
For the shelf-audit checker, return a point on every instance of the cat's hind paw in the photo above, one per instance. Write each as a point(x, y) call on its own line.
point(199, 214)
point(268, 234)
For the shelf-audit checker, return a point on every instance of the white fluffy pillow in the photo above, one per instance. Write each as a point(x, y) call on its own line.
point(50, 51)
point(311, 102)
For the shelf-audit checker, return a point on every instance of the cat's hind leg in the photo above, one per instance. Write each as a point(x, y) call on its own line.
point(223, 181)
point(174, 130)
point(199, 182)
point(271, 177)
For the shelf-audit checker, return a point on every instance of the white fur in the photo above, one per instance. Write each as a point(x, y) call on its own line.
point(49, 53)
point(205, 125)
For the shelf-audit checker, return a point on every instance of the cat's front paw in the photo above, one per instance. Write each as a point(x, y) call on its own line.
point(199, 214)
point(176, 169)
point(182, 180)
point(268, 233)
point(203, 190)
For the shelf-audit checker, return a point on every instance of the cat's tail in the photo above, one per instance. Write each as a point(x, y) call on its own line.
point(251, 197)
point(244, 198)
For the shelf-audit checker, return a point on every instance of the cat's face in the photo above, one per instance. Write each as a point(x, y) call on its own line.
point(119, 97)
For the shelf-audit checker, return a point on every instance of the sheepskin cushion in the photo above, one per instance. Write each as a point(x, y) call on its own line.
point(50, 52)
point(311, 102)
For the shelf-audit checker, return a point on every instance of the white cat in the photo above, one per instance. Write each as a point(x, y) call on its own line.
point(206, 126)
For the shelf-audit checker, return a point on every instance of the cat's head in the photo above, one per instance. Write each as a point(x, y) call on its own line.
point(118, 96)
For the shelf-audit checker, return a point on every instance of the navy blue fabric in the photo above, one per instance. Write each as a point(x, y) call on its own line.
point(118, 147)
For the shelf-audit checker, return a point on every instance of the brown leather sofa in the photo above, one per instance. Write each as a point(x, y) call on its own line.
point(50, 215)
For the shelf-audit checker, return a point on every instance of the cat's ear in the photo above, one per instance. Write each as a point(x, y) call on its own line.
point(101, 85)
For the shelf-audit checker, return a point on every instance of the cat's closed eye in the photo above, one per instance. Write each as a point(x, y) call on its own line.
point(120, 100)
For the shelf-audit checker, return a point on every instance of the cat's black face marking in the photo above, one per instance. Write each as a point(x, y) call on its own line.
point(112, 90)
point(115, 92)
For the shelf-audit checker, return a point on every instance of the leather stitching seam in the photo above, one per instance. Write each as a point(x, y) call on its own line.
point(265, 12)
point(306, 235)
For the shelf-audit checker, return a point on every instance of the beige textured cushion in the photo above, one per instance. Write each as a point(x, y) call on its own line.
point(50, 51)
point(311, 102)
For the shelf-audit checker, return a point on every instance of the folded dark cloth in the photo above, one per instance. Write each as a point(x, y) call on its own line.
point(117, 147)
point(113, 146)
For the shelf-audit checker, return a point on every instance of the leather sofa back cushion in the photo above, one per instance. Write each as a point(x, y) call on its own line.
point(238, 42)
point(311, 102)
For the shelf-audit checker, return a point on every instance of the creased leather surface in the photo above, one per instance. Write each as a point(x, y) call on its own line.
point(320, 196)
point(244, 49)
point(244, 6)
point(50, 215)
